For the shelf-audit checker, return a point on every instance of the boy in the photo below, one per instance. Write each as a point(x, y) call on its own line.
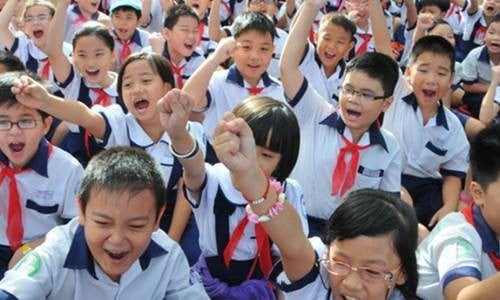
point(251, 49)
point(331, 137)
point(323, 66)
point(181, 34)
point(38, 182)
point(461, 253)
point(476, 21)
point(125, 18)
point(113, 250)
point(79, 13)
point(432, 139)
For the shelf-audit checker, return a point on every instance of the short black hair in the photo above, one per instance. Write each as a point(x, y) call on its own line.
point(6, 82)
point(122, 169)
point(377, 66)
point(94, 28)
point(275, 127)
point(126, 8)
point(11, 62)
point(341, 20)
point(443, 5)
point(177, 11)
point(495, 19)
point(370, 212)
point(257, 21)
point(484, 156)
point(436, 45)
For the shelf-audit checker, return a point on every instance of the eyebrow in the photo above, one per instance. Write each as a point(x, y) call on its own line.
point(378, 262)
point(140, 218)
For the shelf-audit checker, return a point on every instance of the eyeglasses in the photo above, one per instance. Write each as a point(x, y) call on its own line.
point(41, 18)
point(364, 96)
point(6, 125)
point(256, 2)
point(368, 274)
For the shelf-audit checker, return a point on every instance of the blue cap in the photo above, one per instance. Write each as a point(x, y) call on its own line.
point(135, 4)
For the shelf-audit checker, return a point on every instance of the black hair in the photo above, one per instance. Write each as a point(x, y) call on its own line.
point(11, 62)
point(377, 66)
point(127, 8)
point(158, 63)
point(496, 19)
point(122, 169)
point(436, 23)
point(484, 156)
point(274, 127)
point(340, 20)
point(7, 81)
point(373, 213)
point(436, 45)
point(253, 21)
point(177, 11)
point(94, 28)
point(443, 5)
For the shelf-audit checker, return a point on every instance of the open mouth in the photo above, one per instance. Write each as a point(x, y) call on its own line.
point(141, 104)
point(329, 55)
point(348, 297)
point(353, 113)
point(116, 255)
point(195, 6)
point(189, 46)
point(429, 93)
point(92, 73)
point(38, 33)
point(16, 147)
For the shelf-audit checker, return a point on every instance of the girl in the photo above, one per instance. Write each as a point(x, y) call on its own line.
point(143, 79)
point(236, 257)
point(369, 247)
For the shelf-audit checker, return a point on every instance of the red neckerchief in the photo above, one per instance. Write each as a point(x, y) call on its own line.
point(178, 73)
point(366, 37)
point(126, 51)
point(45, 69)
point(15, 229)
point(254, 90)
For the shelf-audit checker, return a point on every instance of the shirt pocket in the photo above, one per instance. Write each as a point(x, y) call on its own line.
point(431, 157)
point(42, 209)
point(369, 178)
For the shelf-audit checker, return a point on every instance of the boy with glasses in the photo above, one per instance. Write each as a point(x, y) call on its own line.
point(38, 182)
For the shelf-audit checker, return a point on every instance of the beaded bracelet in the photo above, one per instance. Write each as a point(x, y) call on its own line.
point(191, 153)
point(263, 198)
point(274, 210)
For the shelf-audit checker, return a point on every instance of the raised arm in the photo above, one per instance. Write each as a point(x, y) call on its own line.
point(6, 14)
point(60, 63)
point(485, 289)
point(34, 95)
point(215, 32)
point(197, 84)
point(235, 147)
point(489, 109)
point(411, 13)
point(381, 34)
point(293, 51)
point(424, 22)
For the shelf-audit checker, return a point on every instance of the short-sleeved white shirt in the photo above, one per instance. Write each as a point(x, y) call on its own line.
point(452, 250)
point(190, 63)
point(63, 268)
point(138, 41)
point(47, 191)
point(74, 22)
point(321, 131)
point(474, 27)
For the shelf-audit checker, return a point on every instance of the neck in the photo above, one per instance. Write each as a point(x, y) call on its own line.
point(175, 57)
point(108, 80)
point(428, 112)
point(152, 129)
point(494, 57)
point(329, 70)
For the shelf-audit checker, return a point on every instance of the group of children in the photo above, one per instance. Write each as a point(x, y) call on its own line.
point(288, 156)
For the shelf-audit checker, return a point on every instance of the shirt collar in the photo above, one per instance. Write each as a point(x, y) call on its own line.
point(135, 38)
point(484, 56)
point(39, 161)
point(79, 256)
point(167, 55)
point(440, 116)
point(76, 10)
point(334, 120)
point(235, 76)
point(340, 66)
point(488, 236)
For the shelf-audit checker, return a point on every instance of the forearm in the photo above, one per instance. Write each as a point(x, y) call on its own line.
point(488, 107)
point(485, 289)
point(194, 167)
point(181, 214)
point(381, 34)
point(215, 33)
point(60, 64)
point(5, 16)
point(197, 84)
point(475, 88)
point(452, 186)
point(411, 14)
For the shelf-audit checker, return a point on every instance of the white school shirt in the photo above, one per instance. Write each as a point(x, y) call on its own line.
point(437, 148)
point(315, 284)
point(476, 67)
point(218, 176)
point(122, 129)
point(206, 45)
point(47, 191)
point(63, 268)
point(139, 40)
point(454, 249)
point(474, 26)
point(312, 69)
point(191, 63)
point(321, 130)
point(455, 15)
point(73, 21)
point(156, 18)
point(227, 88)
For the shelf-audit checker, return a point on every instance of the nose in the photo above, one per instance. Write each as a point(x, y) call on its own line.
point(352, 281)
point(15, 129)
point(117, 236)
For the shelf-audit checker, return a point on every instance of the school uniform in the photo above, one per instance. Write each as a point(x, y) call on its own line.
point(218, 210)
point(123, 130)
point(47, 188)
point(323, 135)
point(63, 268)
point(155, 18)
point(429, 151)
point(206, 45)
point(123, 49)
point(183, 70)
point(75, 20)
point(230, 9)
point(227, 88)
point(455, 249)
point(314, 285)
point(312, 69)
point(474, 29)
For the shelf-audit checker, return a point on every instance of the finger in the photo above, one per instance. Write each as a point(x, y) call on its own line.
point(433, 220)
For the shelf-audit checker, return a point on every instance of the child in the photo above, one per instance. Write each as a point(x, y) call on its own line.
point(369, 247)
point(251, 49)
point(29, 45)
point(181, 33)
point(231, 247)
point(205, 45)
point(125, 18)
point(432, 139)
point(142, 81)
point(10, 63)
point(77, 14)
point(461, 252)
point(38, 182)
point(331, 136)
point(113, 250)
point(476, 21)
point(323, 66)
point(490, 106)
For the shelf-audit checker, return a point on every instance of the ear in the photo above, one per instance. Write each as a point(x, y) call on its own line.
point(315, 38)
point(387, 102)
point(166, 33)
point(162, 211)
point(81, 213)
point(477, 193)
point(47, 122)
point(400, 278)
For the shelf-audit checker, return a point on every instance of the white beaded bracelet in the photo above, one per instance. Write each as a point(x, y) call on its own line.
point(190, 153)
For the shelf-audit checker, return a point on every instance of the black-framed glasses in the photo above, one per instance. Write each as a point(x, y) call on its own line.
point(21, 124)
point(362, 95)
point(368, 274)
point(41, 18)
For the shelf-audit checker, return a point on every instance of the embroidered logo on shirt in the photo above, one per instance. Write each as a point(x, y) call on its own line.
point(29, 265)
point(464, 250)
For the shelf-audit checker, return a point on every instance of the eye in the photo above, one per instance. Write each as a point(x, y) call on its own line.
point(137, 226)
point(101, 223)
point(26, 123)
point(372, 273)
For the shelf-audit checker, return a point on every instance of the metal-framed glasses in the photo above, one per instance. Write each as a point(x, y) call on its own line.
point(362, 95)
point(368, 274)
point(256, 2)
point(40, 18)
point(21, 124)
